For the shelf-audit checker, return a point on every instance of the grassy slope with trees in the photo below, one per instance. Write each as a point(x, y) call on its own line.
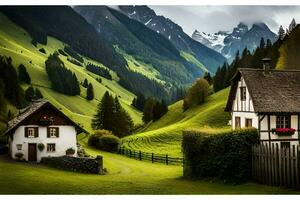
point(165, 135)
point(16, 43)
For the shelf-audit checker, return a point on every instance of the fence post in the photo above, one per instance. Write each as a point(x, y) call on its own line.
point(129, 153)
point(167, 162)
point(152, 157)
point(140, 155)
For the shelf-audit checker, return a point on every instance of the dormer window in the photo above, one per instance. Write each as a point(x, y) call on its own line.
point(243, 93)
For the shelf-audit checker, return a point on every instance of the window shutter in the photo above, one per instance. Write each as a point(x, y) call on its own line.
point(48, 132)
point(57, 132)
point(26, 132)
point(36, 132)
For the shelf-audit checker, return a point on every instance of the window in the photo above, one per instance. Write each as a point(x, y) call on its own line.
point(237, 122)
point(248, 122)
point(19, 147)
point(53, 132)
point(285, 144)
point(243, 93)
point(31, 132)
point(50, 147)
point(283, 121)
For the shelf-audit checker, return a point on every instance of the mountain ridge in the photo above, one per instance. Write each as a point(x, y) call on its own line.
point(173, 32)
point(228, 43)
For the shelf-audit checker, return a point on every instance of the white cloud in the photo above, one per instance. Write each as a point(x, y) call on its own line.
point(215, 18)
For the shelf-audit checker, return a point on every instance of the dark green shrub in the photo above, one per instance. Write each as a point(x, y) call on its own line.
point(42, 50)
point(95, 138)
point(41, 146)
point(19, 156)
point(225, 156)
point(23, 74)
point(109, 143)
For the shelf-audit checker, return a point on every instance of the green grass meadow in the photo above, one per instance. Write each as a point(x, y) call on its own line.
point(125, 176)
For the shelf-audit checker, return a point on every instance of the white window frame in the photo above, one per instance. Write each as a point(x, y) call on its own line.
point(52, 132)
point(31, 132)
point(50, 150)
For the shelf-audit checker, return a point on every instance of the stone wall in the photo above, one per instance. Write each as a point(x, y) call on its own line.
point(76, 164)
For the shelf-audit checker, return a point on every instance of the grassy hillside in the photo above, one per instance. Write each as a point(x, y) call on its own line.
point(165, 135)
point(16, 43)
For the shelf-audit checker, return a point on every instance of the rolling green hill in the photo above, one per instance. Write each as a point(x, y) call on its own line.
point(15, 42)
point(165, 135)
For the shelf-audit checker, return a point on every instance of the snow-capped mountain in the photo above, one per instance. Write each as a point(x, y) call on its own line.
point(228, 43)
point(175, 34)
point(214, 41)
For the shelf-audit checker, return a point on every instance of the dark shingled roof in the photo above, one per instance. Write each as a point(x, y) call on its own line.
point(275, 92)
point(28, 111)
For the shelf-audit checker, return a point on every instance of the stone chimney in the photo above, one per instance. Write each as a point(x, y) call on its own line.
point(266, 65)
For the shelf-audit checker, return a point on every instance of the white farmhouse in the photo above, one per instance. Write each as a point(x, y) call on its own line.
point(268, 100)
point(42, 125)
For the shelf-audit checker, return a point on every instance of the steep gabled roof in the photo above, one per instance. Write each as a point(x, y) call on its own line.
point(33, 108)
point(275, 92)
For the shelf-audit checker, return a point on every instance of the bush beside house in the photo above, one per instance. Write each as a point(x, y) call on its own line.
point(226, 156)
point(104, 140)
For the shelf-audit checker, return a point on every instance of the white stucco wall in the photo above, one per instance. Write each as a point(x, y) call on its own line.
point(238, 105)
point(243, 109)
point(244, 116)
point(66, 140)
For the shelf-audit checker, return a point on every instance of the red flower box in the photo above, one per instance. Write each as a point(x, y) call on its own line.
point(285, 131)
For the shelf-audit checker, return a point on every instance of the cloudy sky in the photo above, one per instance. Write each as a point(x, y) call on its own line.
point(211, 19)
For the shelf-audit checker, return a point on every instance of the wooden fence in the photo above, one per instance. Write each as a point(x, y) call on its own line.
point(154, 158)
point(276, 166)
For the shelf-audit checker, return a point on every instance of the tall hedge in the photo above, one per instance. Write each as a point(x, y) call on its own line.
point(225, 156)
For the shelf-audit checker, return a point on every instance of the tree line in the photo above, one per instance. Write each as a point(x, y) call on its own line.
point(99, 71)
point(62, 79)
point(286, 58)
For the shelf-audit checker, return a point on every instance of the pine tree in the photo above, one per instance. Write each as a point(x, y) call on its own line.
point(30, 94)
point(148, 110)
point(208, 78)
point(104, 119)
point(133, 103)
point(38, 94)
point(292, 25)
point(23, 74)
point(140, 101)
point(269, 43)
point(85, 83)
point(90, 92)
point(3, 105)
point(262, 43)
point(281, 33)
point(123, 122)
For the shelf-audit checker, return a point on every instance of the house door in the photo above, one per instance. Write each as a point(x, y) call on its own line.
point(32, 152)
